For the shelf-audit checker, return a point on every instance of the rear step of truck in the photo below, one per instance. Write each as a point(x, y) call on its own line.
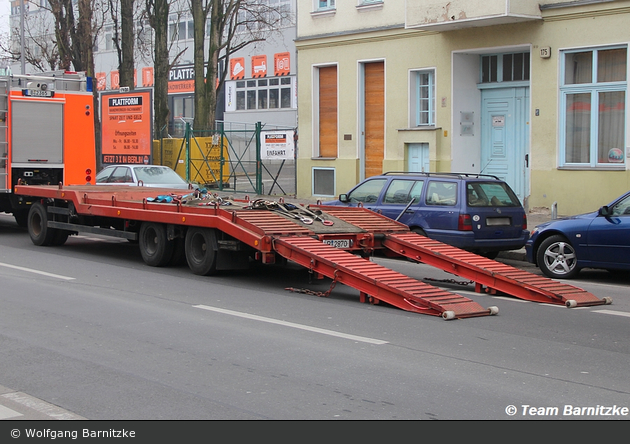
point(375, 282)
point(493, 275)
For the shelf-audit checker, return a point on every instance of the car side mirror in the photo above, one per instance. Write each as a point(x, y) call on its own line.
point(605, 211)
point(344, 198)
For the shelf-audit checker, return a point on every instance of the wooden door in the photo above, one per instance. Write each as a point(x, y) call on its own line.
point(374, 138)
point(328, 111)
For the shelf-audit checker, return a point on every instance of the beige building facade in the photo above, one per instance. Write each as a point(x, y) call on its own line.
point(535, 93)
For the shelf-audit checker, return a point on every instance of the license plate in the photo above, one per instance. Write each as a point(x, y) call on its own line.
point(339, 243)
point(497, 221)
point(39, 93)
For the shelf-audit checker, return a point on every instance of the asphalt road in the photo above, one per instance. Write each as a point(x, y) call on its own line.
point(88, 331)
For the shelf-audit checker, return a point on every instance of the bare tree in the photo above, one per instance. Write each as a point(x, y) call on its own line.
point(157, 13)
point(123, 16)
point(234, 24)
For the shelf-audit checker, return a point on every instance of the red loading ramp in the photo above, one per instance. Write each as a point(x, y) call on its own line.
point(376, 282)
point(489, 273)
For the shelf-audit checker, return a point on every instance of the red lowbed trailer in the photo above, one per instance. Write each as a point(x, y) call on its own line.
point(214, 234)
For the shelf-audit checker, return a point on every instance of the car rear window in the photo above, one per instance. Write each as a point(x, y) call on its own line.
point(490, 194)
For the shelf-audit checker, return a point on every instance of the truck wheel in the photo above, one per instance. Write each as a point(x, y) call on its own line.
point(201, 250)
point(60, 237)
point(155, 248)
point(38, 229)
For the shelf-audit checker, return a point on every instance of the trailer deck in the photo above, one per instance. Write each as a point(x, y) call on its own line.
point(336, 242)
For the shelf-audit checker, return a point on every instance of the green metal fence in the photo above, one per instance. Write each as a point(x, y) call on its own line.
point(230, 158)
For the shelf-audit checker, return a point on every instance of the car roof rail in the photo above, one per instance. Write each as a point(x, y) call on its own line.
point(444, 174)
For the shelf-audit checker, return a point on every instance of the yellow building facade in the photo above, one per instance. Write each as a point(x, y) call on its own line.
point(534, 93)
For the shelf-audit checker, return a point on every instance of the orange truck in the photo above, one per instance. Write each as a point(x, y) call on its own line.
point(46, 135)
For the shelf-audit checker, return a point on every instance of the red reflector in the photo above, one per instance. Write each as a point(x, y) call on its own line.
point(464, 222)
point(88, 178)
point(88, 171)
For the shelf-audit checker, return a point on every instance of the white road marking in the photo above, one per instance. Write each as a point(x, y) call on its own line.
point(6, 413)
point(41, 406)
point(613, 312)
point(292, 325)
point(43, 273)
point(506, 298)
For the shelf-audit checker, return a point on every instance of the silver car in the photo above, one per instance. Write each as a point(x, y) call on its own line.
point(141, 175)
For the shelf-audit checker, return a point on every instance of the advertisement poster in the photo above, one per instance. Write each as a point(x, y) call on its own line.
point(127, 121)
point(277, 145)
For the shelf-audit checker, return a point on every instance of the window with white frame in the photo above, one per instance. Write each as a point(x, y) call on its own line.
point(422, 87)
point(268, 93)
point(593, 107)
point(321, 5)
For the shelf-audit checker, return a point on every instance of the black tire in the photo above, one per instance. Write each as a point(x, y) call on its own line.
point(556, 258)
point(60, 237)
point(201, 250)
point(38, 230)
point(155, 248)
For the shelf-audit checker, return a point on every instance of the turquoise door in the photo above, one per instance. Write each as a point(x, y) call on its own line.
point(505, 136)
point(418, 157)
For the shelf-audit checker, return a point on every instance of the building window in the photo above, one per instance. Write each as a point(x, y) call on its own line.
point(321, 5)
point(423, 98)
point(511, 67)
point(593, 108)
point(323, 181)
point(109, 38)
point(267, 93)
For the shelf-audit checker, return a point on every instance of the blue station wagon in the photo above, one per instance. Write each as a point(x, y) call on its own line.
point(474, 212)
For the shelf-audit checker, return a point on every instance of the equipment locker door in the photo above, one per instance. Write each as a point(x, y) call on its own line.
point(36, 132)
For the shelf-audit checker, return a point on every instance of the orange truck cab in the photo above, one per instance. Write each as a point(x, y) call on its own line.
point(46, 134)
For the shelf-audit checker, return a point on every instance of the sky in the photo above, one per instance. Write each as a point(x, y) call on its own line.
point(5, 13)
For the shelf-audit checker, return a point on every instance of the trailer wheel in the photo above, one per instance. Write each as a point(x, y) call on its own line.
point(38, 229)
point(155, 248)
point(201, 250)
point(60, 237)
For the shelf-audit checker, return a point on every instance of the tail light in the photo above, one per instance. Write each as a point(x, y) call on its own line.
point(88, 175)
point(524, 221)
point(464, 223)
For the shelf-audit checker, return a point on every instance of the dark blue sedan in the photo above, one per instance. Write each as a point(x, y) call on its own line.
point(601, 239)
